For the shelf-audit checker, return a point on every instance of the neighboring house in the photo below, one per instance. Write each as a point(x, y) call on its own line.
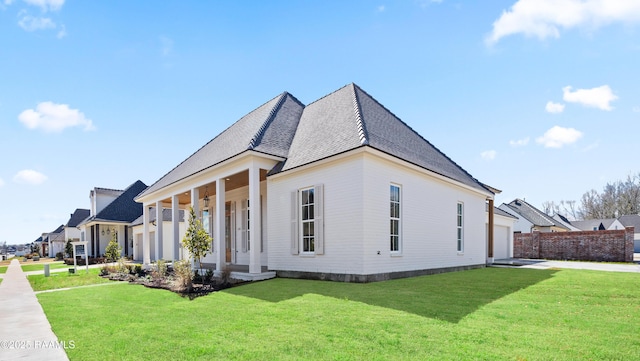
point(565, 222)
point(530, 218)
point(112, 212)
point(55, 241)
point(70, 232)
point(42, 243)
point(504, 225)
point(632, 221)
point(137, 230)
point(338, 189)
point(598, 224)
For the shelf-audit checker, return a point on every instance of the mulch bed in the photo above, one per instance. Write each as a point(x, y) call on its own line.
point(199, 287)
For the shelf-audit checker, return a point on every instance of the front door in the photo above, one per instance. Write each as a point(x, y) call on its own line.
point(228, 233)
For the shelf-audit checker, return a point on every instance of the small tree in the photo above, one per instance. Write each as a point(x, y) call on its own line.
point(113, 250)
point(68, 248)
point(196, 240)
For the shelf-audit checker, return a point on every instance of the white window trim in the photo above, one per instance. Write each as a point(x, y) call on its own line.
point(460, 207)
point(397, 252)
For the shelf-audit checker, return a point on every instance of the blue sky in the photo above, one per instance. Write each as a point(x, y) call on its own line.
point(538, 98)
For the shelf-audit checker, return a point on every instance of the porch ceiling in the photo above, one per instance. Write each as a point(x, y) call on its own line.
point(235, 181)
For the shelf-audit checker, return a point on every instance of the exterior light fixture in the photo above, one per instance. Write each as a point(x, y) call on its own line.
point(206, 197)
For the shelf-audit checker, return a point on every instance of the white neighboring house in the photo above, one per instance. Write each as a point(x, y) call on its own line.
point(632, 221)
point(610, 224)
point(530, 218)
point(137, 228)
point(71, 231)
point(112, 212)
point(338, 189)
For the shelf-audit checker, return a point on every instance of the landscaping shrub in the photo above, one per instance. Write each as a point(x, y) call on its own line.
point(160, 270)
point(121, 266)
point(208, 275)
point(59, 256)
point(183, 275)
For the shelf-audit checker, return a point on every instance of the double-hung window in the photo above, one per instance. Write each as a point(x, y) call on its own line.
point(307, 210)
point(394, 217)
point(460, 227)
point(307, 221)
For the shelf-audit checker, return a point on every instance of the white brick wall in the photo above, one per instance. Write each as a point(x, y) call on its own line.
point(356, 195)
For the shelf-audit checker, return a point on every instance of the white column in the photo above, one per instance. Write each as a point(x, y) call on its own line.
point(195, 204)
point(255, 233)
point(175, 223)
point(120, 236)
point(219, 236)
point(195, 195)
point(159, 222)
point(146, 251)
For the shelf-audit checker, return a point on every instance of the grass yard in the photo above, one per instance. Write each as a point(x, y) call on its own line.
point(65, 279)
point(40, 266)
point(3, 269)
point(484, 314)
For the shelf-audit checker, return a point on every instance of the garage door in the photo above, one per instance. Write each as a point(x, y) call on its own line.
point(501, 242)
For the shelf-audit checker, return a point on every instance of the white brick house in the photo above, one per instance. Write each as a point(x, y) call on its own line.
point(344, 190)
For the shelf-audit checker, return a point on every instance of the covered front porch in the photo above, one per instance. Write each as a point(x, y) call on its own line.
point(230, 202)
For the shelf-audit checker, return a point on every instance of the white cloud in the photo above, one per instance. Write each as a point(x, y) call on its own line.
point(29, 176)
point(599, 97)
point(52, 117)
point(519, 143)
point(488, 154)
point(30, 23)
point(554, 108)
point(557, 137)
point(545, 18)
point(46, 5)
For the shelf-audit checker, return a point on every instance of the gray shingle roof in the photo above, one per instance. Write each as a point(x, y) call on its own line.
point(78, 216)
point(123, 208)
point(341, 121)
point(532, 214)
point(498, 211)
point(590, 224)
point(349, 118)
point(268, 129)
point(631, 221)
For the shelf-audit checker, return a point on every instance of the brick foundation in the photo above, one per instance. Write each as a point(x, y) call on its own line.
point(609, 246)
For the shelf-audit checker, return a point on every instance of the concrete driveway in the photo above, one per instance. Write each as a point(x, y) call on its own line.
point(546, 264)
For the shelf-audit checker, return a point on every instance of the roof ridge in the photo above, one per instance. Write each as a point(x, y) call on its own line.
point(424, 139)
point(362, 130)
point(327, 95)
point(202, 147)
point(272, 114)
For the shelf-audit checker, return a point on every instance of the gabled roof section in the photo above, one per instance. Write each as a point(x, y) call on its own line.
point(594, 224)
point(532, 214)
point(632, 220)
point(78, 216)
point(499, 212)
point(350, 118)
point(268, 129)
point(123, 208)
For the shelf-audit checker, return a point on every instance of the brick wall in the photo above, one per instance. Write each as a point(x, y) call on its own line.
point(610, 246)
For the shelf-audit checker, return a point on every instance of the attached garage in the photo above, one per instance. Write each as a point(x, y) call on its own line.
point(503, 234)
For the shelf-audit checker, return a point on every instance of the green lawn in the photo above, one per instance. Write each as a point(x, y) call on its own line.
point(3, 269)
point(40, 266)
point(65, 279)
point(484, 314)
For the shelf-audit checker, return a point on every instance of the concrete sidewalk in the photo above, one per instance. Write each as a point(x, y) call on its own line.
point(546, 264)
point(25, 332)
